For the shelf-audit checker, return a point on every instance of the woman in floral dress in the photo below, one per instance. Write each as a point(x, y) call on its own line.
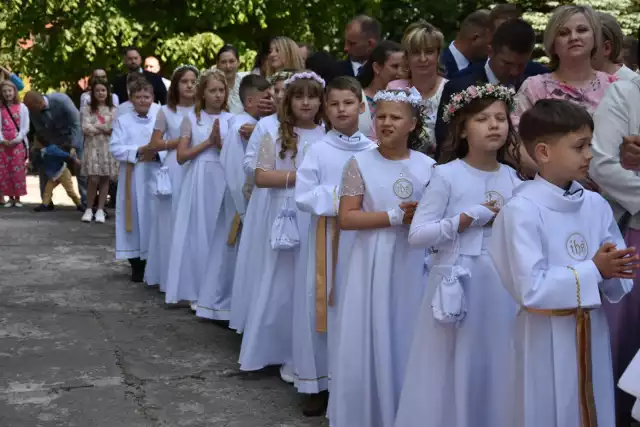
point(13, 144)
point(98, 164)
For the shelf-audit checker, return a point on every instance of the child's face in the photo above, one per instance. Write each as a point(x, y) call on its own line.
point(187, 85)
point(214, 94)
point(394, 122)
point(100, 92)
point(142, 101)
point(343, 110)
point(278, 92)
point(566, 158)
point(253, 99)
point(305, 107)
point(8, 93)
point(487, 130)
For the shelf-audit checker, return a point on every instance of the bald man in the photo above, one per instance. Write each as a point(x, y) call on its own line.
point(56, 120)
point(152, 65)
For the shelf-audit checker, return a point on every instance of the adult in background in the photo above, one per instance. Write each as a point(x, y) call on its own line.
point(228, 61)
point(361, 35)
point(56, 121)
point(96, 75)
point(501, 13)
point(283, 54)
point(13, 144)
point(132, 62)
point(630, 52)
point(152, 64)
point(509, 53)
point(615, 167)
point(609, 57)
point(470, 44)
point(305, 50)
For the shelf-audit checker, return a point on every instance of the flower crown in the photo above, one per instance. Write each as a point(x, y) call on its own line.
point(280, 75)
point(309, 75)
point(409, 96)
point(184, 67)
point(461, 99)
point(210, 72)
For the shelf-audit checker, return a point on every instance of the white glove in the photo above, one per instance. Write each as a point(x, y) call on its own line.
point(396, 215)
point(481, 215)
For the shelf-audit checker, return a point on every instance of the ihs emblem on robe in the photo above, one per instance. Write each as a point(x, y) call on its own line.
point(577, 247)
point(403, 188)
point(494, 196)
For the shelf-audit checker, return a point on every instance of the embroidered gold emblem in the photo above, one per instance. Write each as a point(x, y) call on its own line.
point(494, 196)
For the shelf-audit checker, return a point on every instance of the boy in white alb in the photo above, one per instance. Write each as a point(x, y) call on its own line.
point(131, 134)
point(558, 250)
point(317, 189)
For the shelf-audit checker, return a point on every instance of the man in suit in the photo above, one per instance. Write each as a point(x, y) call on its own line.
point(133, 63)
point(470, 44)
point(56, 120)
point(509, 55)
point(361, 35)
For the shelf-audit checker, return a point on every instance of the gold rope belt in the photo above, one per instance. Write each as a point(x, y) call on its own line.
point(321, 267)
point(235, 229)
point(588, 417)
point(128, 214)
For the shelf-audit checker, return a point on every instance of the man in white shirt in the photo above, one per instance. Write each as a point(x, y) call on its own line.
point(470, 45)
point(609, 57)
point(152, 64)
point(361, 36)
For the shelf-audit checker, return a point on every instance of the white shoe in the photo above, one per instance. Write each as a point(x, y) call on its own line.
point(88, 216)
point(100, 216)
point(8, 204)
point(286, 373)
point(17, 205)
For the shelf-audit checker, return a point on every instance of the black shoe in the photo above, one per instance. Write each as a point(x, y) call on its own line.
point(51, 206)
point(137, 269)
point(316, 404)
point(43, 208)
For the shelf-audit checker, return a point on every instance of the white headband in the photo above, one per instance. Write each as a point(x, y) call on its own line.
point(310, 75)
point(411, 97)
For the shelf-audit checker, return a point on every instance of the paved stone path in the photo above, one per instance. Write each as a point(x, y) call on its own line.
point(82, 346)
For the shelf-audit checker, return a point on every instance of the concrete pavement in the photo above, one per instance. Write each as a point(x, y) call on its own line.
point(82, 346)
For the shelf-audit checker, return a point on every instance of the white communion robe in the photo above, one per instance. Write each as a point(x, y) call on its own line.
point(384, 282)
point(458, 374)
point(630, 383)
point(168, 122)
point(267, 338)
point(203, 188)
point(317, 192)
point(543, 244)
point(255, 228)
point(131, 132)
point(214, 301)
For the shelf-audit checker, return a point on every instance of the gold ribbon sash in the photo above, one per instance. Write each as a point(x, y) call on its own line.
point(588, 416)
point(128, 214)
point(235, 229)
point(321, 267)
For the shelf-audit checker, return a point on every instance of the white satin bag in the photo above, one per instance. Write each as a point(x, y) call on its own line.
point(448, 304)
point(163, 182)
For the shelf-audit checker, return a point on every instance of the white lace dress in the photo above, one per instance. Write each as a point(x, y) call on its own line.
point(383, 282)
point(267, 338)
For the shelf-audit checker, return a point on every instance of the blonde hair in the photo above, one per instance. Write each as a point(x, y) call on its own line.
point(420, 37)
point(287, 134)
point(16, 100)
point(559, 17)
point(288, 51)
point(203, 82)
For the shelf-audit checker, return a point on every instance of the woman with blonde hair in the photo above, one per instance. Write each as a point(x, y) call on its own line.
point(422, 43)
point(283, 53)
point(13, 144)
point(571, 39)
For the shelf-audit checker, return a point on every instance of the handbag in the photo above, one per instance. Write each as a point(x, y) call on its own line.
point(284, 231)
point(449, 304)
point(163, 182)
point(24, 144)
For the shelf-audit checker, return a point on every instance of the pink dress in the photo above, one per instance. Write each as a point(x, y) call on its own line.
point(544, 86)
point(12, 156)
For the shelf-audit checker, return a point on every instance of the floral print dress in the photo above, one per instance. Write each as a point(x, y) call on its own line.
point(96, 126)
point(13, 153)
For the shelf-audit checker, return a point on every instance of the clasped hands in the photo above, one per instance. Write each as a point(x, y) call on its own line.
point(616, 263)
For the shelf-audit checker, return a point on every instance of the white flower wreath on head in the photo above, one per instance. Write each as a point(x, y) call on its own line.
point(460, 99)
point(408, 96)
point(186, 67)
point(278, 76)
point(210, 72)
point(309, 75)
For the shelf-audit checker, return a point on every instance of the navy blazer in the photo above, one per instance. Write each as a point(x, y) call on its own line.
point(345, 68)
point(472, 75)
point(448, 62)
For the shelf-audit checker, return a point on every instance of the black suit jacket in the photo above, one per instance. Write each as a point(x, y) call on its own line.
point(345, 68)
point(448, 62)
point(472, 75)
point(159, 89)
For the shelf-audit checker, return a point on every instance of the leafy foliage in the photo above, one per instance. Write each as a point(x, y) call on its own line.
point(66, 39)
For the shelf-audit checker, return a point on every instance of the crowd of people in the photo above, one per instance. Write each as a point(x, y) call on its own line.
point(425, 234)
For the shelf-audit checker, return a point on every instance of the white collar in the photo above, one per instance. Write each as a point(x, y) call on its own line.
point(461, 61)
point(355, 142)
point(356, 66)
point(46, 101)
point(490, 74)
point(543, 193)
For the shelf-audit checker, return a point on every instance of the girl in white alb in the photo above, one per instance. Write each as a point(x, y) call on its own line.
point(317, 190)
point(383, 276)
point(203, 187)
point(129, 145)
point(216, 286)
point(166, 134)
point(267, 336)
point(459, 369)
point(254, 225)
